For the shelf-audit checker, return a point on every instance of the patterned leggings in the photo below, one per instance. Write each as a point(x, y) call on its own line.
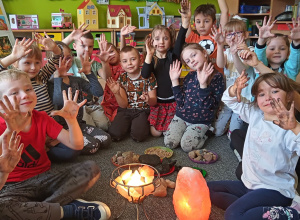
point(189, 136)
point(40, 197)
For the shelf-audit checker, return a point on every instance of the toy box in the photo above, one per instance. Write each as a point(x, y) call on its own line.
point(23, 21)
point(53, 36)
point(61, 20)
point(249, 9)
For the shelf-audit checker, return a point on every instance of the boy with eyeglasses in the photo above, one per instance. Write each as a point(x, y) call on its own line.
point(234, 34)
point(205, 19)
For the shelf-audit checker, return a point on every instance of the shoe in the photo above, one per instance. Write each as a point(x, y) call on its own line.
point(85, 210)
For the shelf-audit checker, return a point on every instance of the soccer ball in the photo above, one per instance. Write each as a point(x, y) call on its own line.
point(208, 45)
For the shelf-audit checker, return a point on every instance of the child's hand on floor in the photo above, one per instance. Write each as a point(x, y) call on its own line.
point(86, 64)
point(20, 49)
point(127, 30)
point(265, 30)
point(70, 109)
point(78, 33)
point(14, 118)
point(239, 84)
point(62, 68)
point(217, 35)
point(104, 54)
point(286, 118)
point(11, 152)
point(203, 74)
point(295, 32)
point(113, 85)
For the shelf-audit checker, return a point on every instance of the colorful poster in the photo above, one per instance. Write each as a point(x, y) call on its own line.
point(5, 46)
point(3, 23)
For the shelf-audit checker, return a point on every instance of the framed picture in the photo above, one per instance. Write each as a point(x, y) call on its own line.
point(7, 39)
point(103, 2)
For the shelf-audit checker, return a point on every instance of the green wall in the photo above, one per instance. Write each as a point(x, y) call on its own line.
point(44, 8)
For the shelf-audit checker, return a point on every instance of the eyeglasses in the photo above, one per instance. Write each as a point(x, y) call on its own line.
point(230, 35)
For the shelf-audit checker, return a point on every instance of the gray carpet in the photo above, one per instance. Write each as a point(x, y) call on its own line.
point(157, 208)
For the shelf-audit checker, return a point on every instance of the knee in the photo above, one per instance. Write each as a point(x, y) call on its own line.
point(139, 135)
point(92, 167)
point(154, 132)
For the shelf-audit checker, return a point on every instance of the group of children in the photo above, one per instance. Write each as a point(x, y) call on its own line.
point(62, 107)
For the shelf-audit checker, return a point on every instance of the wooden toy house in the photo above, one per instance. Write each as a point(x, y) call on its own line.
point(145, 12)
point(118, 16)
point(87, 13)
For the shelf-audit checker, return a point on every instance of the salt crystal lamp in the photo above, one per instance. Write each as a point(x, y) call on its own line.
point(191, 198)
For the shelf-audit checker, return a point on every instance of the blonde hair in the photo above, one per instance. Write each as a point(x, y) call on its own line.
point(195, 47)
point(235, 25)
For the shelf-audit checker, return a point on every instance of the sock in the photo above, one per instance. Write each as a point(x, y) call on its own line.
point(68, 211)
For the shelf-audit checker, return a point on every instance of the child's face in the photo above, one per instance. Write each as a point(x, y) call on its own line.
point(23, 91)
point(194, 58)
point(161, 41)
point(203, 24)
point(266, 94)
point(115, 59)
point(232, 37)
point(84, 45)
point(277, 52)
point(68, 56)
point(30, 65)
point(130, 62)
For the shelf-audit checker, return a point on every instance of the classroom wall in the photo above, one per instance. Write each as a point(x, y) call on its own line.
point(44, 8)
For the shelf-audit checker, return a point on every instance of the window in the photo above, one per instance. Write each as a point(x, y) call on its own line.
point(87, 12)
point(157, 11)
point(94, 12)
point(87, 21)
point(94, 21)
point(113, 21)
point(153, 11)
point(108, 21)
point(80, 11)
point(128, 21)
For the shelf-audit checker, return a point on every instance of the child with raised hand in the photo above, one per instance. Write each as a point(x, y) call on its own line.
point(111, 67)
point(234, 34)
point(197, 99)
point(160, 54)
point(205, 18)
point(275, 50)
point(89, 90)
point(134, 95)
point(31, 63)
point(267, 186)
point(32, 185)
point(125, 31)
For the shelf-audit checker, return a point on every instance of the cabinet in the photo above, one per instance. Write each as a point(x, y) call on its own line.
point(276, 7)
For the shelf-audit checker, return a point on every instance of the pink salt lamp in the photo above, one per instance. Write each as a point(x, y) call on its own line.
point(191, 198)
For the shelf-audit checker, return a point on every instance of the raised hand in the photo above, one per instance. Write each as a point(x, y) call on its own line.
point(20, 49)
point(14, 118)
point(295, 31)
point(150, 49)
point(217, 35)
point(203, 74)
point(78, 33)
point(265, 29)
point(235, 45)
point(239, 84)
point(286, 118)
point(249, 57)
point(185, 11)
point(11, 152)
point(175, 70)
point(127, 30)
point(70, 109)
point(86, 64)
point(46, 42)
point(104, 54)
point(62, 68)
point(113, 85)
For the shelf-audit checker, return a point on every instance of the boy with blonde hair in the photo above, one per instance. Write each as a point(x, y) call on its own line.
point(32, 190)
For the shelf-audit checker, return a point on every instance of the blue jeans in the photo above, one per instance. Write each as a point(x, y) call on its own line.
point(242, 203)
point(62, 153)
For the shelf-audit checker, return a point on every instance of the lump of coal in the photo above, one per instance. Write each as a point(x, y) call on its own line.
point(149, 159)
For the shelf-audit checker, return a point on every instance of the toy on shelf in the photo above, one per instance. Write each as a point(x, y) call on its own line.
point(61, 20)
point(145, 12)
point(24, 21)
point(129, 40)
point(87, 13)
point(118, 16)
